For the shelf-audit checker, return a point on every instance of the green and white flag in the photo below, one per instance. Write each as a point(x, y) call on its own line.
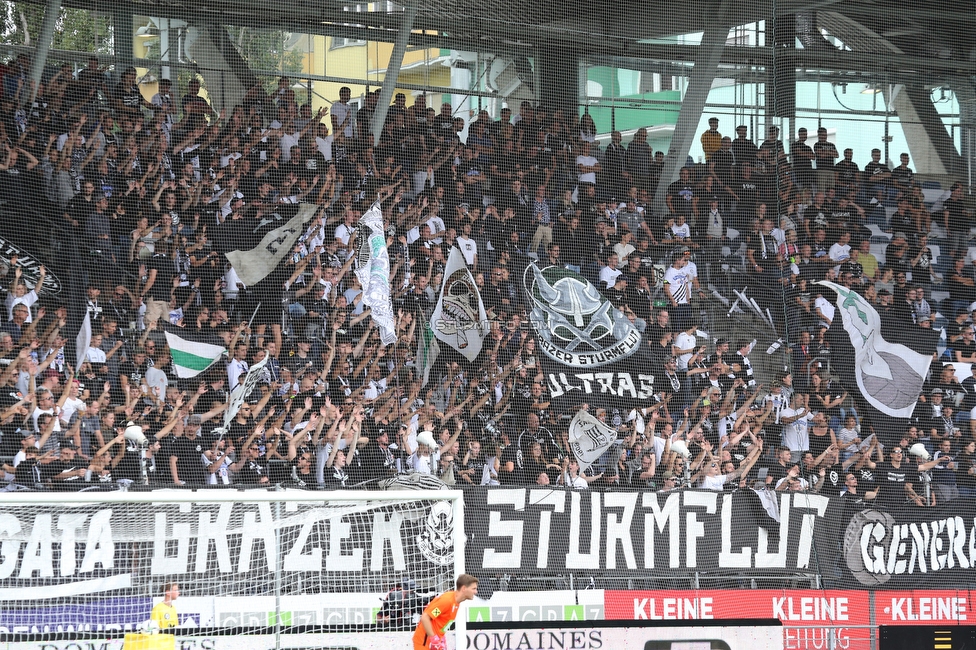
point(890, 376)
point(190, 358)
point(427, 353)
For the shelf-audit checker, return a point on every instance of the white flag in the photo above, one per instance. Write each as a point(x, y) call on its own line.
point(889, 375)
point(589, 438)
point(263, 245)
point(83, 342)
point(373, 271)
point(240, 394)
point(459, 319)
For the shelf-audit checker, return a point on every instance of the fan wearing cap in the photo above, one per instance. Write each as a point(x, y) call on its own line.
point(67, 468)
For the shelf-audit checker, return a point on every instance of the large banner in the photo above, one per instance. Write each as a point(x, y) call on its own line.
point(917, 547)
point(542, 531)
point(591, 352)
point(55, 552)
point(734, 635)
point(545, 531)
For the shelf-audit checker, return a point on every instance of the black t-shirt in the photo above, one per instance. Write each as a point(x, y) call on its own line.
point(801, 152)
point(873, 169)
point(902, 176)
point(55, 467)
point(776, 471)
point(833, 480)
point(682, 195)
point(723, 161)
point(744, 151)
point(958, 219)
point(130, 97)
point(378, 462)
point(866, 478)
point(509, 455)
point(826, 153)
point(163, 284)
point(133, 372)
point(847, 171)
point(252, 472)
point(748, 192)
point(28, 472)
point(892, 481)
point(189, 463)
point(129, 466)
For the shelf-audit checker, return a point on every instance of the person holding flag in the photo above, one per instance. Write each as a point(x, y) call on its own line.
point(440, 613)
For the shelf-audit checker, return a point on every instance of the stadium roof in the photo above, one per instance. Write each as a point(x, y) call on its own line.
point(905, 38)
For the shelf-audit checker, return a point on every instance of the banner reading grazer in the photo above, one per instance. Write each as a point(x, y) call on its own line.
point(591, 351)
point(541, 531)
point(49, 551)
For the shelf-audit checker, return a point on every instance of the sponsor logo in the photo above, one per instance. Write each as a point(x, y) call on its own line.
point(537, 640)
point(576, 325)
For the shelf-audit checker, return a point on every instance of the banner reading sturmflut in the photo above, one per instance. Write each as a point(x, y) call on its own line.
point(373, 271)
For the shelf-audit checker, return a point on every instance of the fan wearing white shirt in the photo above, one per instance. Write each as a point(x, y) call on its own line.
point(587, 166)
point(19, 295)
point(841, 251)
point(796, 433)
point(711, 475)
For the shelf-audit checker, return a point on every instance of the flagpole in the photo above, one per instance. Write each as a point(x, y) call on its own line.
point(254, 315)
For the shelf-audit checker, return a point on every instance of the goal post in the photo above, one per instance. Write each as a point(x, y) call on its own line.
point(280, 562)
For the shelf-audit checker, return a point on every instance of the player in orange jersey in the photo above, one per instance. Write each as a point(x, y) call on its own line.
point(440, 613)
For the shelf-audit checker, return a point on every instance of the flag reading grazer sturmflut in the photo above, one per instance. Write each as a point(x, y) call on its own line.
point(459, 319)
point(889, 376)
point(373, 271)
point(589, 438)
point(190, 357)
point(255, 247)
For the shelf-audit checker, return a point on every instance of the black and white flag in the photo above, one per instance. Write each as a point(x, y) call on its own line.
point(459, 319)
point(591, 351)
point(589, 438)
point(373, 271)
point(256, 245)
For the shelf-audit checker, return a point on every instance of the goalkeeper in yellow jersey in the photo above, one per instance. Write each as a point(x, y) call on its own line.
point(164, 613)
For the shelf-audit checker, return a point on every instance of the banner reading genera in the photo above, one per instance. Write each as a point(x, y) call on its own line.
point(543, 531)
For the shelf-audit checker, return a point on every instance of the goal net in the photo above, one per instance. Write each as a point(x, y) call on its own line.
point(246, 562)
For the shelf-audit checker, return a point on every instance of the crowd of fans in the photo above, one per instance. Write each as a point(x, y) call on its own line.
point(138, 194)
